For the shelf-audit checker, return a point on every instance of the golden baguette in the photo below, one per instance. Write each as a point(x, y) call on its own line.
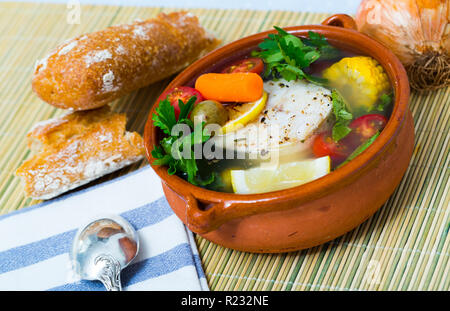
point(75, 149)
point(93, 69)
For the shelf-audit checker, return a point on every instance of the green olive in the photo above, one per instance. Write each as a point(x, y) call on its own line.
point(210, 112)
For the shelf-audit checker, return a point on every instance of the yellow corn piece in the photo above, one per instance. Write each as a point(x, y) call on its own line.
point(360, 79)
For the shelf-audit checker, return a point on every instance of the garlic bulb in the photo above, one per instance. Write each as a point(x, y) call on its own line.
point(417, 31)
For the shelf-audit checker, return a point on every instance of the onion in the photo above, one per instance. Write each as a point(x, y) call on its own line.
point(417, 31)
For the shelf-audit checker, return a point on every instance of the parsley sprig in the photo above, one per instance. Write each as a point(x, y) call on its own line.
point(360, 149)
point(170, 150)
point(286, 55)
point(342, 115)
point(385, 100)
point(325, 49)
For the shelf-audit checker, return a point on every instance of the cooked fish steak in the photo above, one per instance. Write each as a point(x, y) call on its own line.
point(294, 111)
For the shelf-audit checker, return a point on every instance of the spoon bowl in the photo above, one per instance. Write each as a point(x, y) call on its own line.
point(102, 248)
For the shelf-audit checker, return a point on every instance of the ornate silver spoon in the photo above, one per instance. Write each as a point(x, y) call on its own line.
point(102, 249)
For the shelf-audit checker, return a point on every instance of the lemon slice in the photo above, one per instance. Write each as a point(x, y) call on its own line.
point(265, 179)
point(241, 114)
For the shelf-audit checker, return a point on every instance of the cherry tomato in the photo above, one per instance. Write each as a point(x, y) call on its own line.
point(324, 145)
point(364, 127)
point(180, 92)
point(253, 64)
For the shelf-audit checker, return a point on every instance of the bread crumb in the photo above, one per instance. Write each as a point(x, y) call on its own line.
point(108, 82)
point(182, 21)
point(120, 50)
point(96, 57)
point(68, 48)
point(140, 32)
point(41, 64)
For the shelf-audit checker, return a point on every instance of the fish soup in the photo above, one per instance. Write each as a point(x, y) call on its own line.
point(287, 113)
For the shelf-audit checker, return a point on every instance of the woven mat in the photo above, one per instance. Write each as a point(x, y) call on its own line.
point(404, 246)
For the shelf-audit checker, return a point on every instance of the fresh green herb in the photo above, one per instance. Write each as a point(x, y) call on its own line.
point(327, 51)
point(384, 101)
point(165, 117)
point(342, 115)
point(171, 151)
point(286, 55)
point(360, 149)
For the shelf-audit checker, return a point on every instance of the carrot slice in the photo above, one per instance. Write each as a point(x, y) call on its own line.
point(230, 87)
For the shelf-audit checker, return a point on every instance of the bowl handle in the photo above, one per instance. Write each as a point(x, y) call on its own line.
point(340, 20)
point(203, 216)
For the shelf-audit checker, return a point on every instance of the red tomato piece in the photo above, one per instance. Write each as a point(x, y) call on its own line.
point(253, 64)
point(324, 145)
point(365, 127)
point(180, 92)
point(362, 129)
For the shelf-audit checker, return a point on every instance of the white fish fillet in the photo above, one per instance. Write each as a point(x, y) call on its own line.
point(294, 111)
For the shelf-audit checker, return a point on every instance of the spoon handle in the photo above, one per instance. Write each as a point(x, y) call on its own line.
point(110, 272)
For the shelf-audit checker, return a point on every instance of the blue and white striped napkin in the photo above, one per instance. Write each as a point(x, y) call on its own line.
point(35, 241)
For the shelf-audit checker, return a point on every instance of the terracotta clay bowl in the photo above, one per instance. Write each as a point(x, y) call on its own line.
point(313, 213)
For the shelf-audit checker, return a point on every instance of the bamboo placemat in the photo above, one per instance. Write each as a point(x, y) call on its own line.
point(404, 246)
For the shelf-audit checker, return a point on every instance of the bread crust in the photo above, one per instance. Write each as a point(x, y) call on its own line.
point(75, 149)
point(91, 70)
